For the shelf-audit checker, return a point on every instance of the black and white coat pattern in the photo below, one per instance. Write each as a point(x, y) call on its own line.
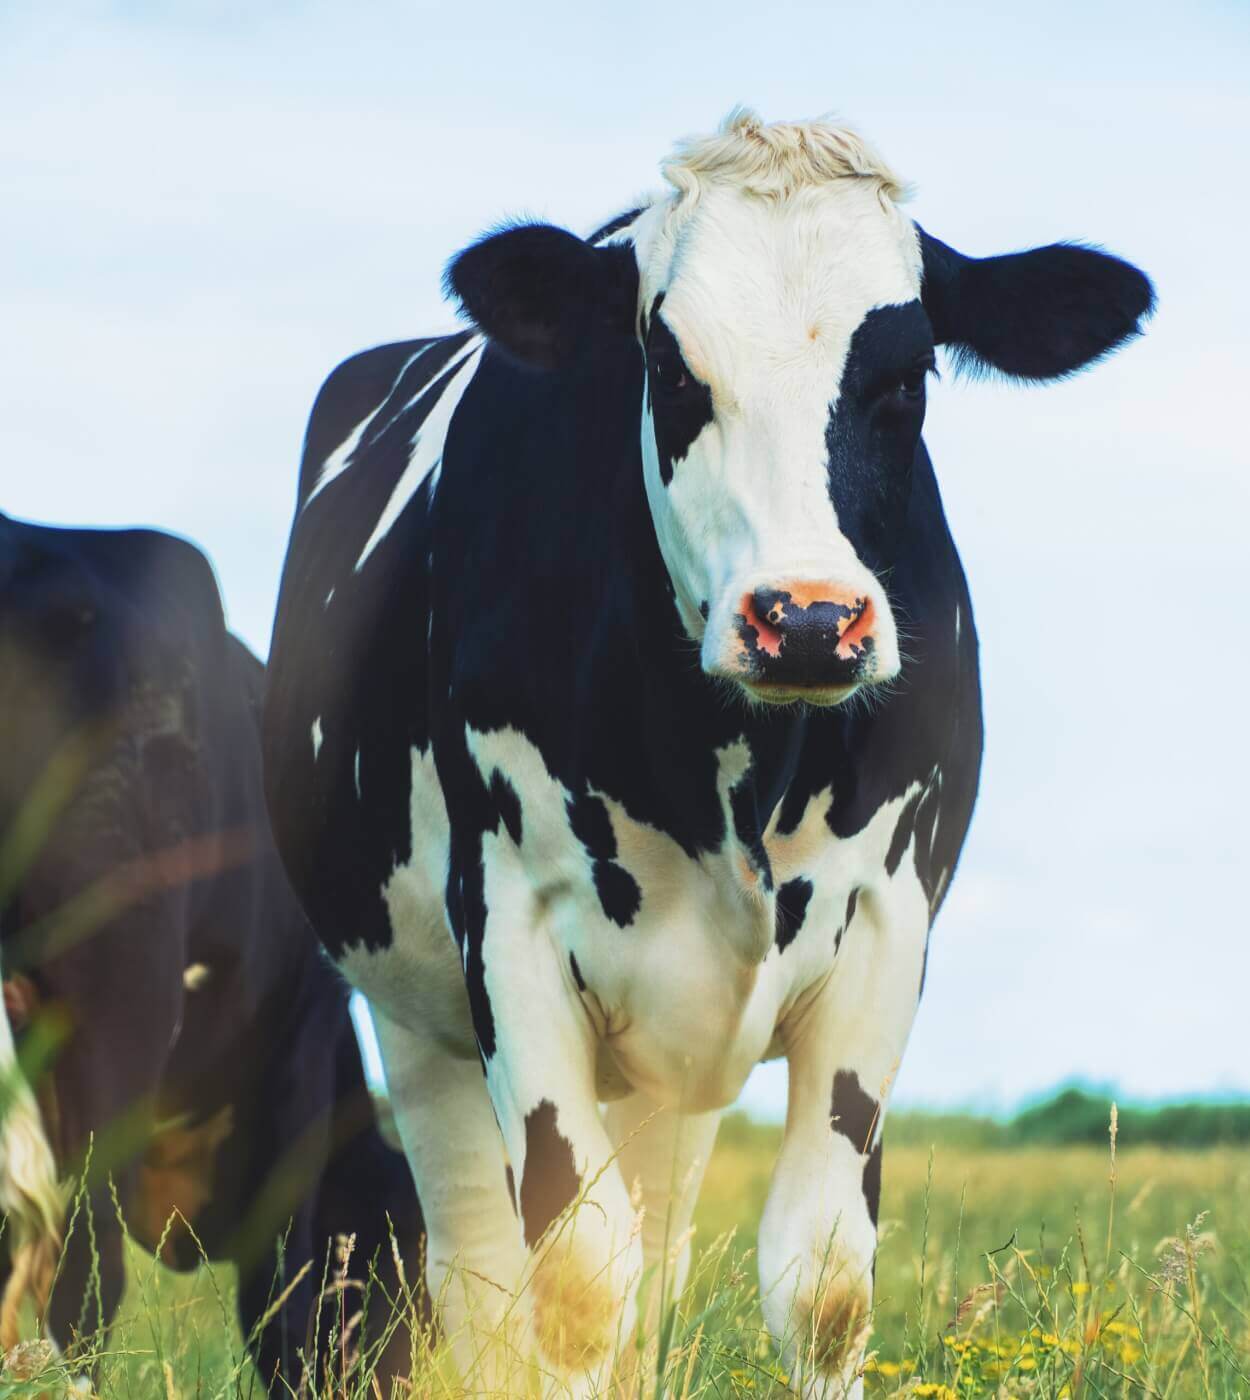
point(624, 720)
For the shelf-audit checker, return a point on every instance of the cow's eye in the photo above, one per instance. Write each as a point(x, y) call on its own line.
point(668, 372)
point(911, 383)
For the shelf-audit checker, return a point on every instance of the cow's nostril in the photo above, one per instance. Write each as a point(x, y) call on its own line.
point(769, 605)
point(755, 609)
point(855, 635)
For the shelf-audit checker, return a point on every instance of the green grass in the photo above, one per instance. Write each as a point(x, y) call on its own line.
point(1013, 1242)
point(1003, 1271)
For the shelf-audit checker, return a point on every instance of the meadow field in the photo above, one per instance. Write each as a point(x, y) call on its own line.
point(1004, 1270)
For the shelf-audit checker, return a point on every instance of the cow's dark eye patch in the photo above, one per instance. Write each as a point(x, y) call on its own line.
point(669, 374)
point(667, 368)
point(912, 381)
point(901, 386)
point(874, 426)
point(681, 404)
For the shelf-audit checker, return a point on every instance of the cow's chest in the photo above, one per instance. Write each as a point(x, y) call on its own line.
point(687, 967)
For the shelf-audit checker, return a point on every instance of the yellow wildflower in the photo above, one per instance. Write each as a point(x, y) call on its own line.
point(1122, 1329)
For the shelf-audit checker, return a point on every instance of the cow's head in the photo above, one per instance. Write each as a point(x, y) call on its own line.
point(788, 311)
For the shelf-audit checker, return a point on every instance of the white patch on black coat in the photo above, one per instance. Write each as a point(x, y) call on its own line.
point(427, 446)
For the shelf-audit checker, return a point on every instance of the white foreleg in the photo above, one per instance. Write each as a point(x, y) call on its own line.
point(819, 1231)
point(662, 1154)
point(585, 1265)
point(474, 1252)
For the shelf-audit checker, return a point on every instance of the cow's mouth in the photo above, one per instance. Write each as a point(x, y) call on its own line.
point(780, 693)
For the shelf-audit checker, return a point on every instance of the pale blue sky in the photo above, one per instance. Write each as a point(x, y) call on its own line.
point(206, 206)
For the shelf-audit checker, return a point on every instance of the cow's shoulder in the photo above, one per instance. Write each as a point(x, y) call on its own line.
point(355, 390)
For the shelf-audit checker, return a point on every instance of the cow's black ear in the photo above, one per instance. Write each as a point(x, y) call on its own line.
point(1035, 315)
point(543, 293)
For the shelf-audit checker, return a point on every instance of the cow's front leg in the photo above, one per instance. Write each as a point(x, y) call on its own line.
point(475, 1260)
point(584, 1266)
point(819, 1230)
point(662, 1154)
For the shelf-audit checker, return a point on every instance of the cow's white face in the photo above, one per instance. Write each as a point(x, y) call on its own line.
point(786, 353)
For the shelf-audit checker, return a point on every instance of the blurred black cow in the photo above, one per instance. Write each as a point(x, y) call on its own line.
point(196, 1047)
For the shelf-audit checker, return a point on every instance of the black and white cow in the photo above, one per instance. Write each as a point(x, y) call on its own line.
point(624, 722)
point(152, 946)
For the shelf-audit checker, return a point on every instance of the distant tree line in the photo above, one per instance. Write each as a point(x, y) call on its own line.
point(1076, 1115)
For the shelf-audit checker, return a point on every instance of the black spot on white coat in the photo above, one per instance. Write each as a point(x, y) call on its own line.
point(856, 1115)
point(872, 1182)
point(549, 1179)
point(750, 818)
point(852, 900)
point(792, 901)
point(619, 895)
point(507, 804)
point(578, 980)
point(853, 1112)
point(903, 829)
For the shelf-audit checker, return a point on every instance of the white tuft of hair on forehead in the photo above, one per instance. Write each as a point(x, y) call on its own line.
point(769, 225)
point(774, 161)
